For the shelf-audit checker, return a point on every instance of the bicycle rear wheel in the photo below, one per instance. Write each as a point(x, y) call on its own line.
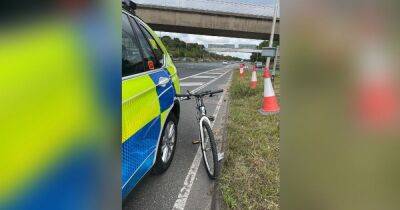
point(210, 153)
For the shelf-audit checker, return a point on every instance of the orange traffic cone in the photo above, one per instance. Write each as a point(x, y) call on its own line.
point(241, 70)
point(253, 82)
point(270, 103)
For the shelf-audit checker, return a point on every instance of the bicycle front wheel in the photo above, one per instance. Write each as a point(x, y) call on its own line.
point(210, 153)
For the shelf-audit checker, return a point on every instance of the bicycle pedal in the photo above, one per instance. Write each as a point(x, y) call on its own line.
point(196, 142)
point(212, 118)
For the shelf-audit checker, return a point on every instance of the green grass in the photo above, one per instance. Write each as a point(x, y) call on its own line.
point(250, 175)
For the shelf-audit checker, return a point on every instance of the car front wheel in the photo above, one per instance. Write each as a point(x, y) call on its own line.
point(167, 146)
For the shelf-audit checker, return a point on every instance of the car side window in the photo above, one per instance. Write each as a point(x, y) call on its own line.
point(155, 47)
point(148, 54)
point(132, 61)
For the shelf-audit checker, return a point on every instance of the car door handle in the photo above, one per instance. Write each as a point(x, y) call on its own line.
point(163, 81)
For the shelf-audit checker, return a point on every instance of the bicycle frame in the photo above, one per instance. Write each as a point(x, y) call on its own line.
point(205, 128)
point(201, 113)
point(201, 109)
point(201, 118)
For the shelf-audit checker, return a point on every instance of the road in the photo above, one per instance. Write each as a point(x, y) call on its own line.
point(182, 186)
point(187, 69)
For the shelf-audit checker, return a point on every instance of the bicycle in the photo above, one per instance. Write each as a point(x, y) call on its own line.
point(208, 145)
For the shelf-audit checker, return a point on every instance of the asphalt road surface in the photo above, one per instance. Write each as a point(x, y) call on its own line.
point(185, 185)
point(188, 69)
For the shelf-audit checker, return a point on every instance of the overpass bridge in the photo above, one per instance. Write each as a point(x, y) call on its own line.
point(241, 48)
point(206, 17)
point(233, 50)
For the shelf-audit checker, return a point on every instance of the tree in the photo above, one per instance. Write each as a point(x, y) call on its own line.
point(264, 43)
point(256, 57)
point(178, 48)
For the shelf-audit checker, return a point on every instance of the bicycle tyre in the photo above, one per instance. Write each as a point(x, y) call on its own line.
point(212, 174)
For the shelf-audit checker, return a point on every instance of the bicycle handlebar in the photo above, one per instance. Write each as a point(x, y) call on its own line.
point(201, 94)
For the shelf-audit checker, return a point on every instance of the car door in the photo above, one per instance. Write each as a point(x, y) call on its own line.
point(165, 88)
point(141, 124)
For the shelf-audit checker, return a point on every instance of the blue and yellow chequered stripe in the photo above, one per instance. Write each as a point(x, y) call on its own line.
point(145, 108)
point(140, 104)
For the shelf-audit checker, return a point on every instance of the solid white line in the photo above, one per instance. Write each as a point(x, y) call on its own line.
point(187, 185)
point(191, 175)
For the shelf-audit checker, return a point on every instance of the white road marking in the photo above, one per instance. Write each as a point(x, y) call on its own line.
point(191, 175)
point(198, 74)
point(217, 73)
point(191, 84)
point(203, 77)
point(208, 83)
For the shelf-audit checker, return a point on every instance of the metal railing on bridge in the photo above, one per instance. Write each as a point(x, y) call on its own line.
point(215, 6)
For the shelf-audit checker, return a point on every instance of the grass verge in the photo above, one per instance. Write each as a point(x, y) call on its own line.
point(250, 175)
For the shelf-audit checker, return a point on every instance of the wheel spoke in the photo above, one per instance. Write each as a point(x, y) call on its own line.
point(171, 131)
point(164, 140)
point(165, 153)
point(168, 142)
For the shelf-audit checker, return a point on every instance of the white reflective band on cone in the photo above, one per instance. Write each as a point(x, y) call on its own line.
point(268, 89)
point(254, 76)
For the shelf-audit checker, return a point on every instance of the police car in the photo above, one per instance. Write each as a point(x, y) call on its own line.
point(150, 110)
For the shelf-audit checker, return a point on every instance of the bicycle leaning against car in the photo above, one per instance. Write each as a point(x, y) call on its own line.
point(208, 145)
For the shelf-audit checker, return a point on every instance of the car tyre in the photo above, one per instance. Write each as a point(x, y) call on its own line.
point(167, 145)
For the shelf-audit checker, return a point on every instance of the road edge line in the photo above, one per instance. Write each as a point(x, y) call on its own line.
point(184, 193)
point(216, 199)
